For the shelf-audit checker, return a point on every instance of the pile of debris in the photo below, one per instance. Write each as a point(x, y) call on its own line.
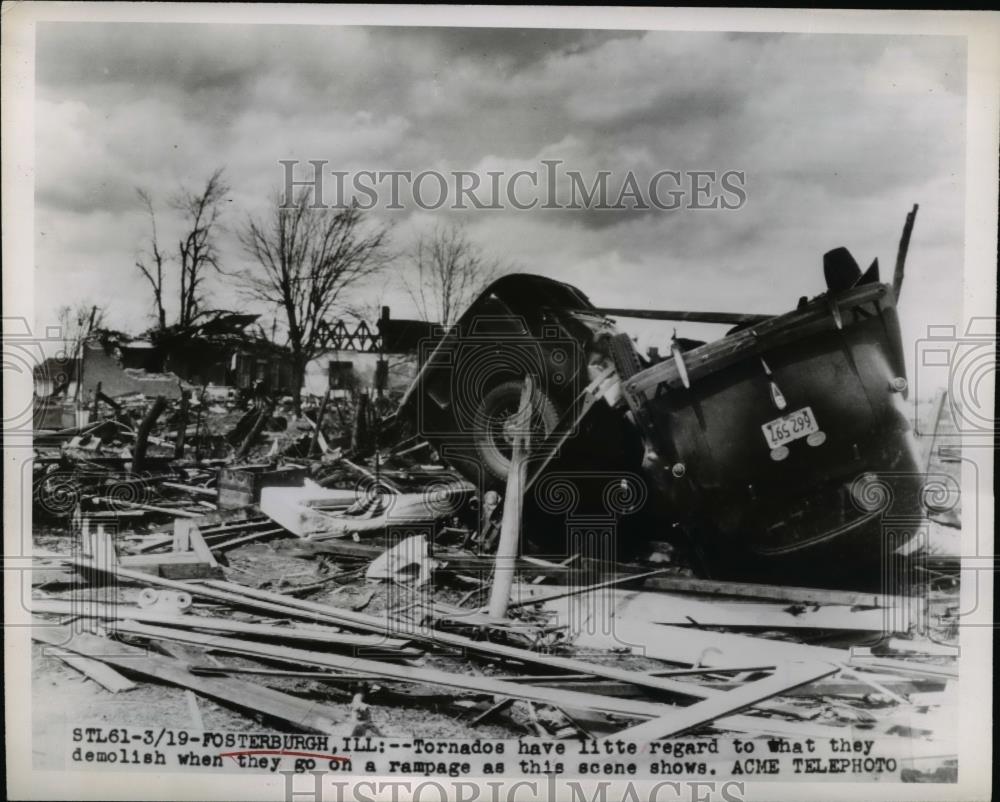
point(326, 593)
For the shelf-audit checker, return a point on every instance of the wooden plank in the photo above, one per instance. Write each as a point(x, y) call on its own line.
point(837, 686)
point(682, 610)
point(903, 666)
point(439, 638)
point(150, 507)
point(104, 675)
point(200, 491)
point(199, 547)
point(302, 714)
point(750, 590)
point(601, 625)
point(405, 673)
point(789, 675)
point(186, 565)
point(182, 535)
point(239, 541)
point(488, 685)
point(457, 561)
point(287, 605)
point(123, 612)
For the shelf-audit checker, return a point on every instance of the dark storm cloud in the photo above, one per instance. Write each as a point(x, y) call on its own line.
point(513, 49)
point(838, 135)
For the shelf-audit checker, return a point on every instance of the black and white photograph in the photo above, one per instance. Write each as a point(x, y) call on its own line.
point(498, 403)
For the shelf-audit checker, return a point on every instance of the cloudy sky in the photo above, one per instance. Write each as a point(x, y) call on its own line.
point(838, 136)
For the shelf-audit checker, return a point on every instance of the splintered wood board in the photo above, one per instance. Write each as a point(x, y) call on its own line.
point(786, 676)
point(606, 623)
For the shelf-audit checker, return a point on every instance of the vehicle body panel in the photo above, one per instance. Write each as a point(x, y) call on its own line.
point(841, 357)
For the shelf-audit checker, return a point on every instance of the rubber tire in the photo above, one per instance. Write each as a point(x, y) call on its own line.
point(508, 394)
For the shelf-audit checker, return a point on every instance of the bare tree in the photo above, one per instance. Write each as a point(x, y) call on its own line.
point(153, 272)
point(196, 249)
point(77, 324)
point(303, 260)
point(446, 272)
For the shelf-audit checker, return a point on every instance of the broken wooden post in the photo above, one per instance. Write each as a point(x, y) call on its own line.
point(182, 425)
point(359, 437)
point(319, 422)
point(97, 400)
point(142, 435)
point(510, 525)
point(265, 413)
point(904, 246)
point(197, 424)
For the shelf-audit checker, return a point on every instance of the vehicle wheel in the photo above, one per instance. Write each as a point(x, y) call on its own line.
point(493, 441)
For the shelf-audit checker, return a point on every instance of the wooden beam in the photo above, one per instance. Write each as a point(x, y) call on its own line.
point(288, 605)
point(750, 590)
point(201, 491)
point(150, 508)
point(125, 612)
point(302, 714)
point(790, 675)
point(197, 542)
point(903, 666)
point(439, 638)
point(101, 673)
point(404, 673)
point(239, 541)
point(469, 682)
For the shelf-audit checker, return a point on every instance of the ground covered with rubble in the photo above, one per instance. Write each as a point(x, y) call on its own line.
point(248, 570)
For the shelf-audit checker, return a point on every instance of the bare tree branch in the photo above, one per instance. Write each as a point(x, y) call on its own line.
point(153, 274)
point(447, 271)
point(304, 259)
point(76, 325)
point(196, 250)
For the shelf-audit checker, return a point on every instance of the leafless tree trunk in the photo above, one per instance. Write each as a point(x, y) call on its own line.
point(196, 250)
point(76, 325)
point(153, 272)
point(303, 261)
point(446, 273)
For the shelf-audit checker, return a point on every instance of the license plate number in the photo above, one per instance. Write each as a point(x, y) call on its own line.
point(791, 427)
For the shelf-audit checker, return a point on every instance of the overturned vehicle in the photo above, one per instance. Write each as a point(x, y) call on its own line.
point(773, 453)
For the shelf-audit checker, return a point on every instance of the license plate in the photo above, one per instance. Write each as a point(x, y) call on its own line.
point(791, 427)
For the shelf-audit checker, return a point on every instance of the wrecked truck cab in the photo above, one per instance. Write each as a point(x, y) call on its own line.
point(783, 449)
point(469, 383)
point(779, 450)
